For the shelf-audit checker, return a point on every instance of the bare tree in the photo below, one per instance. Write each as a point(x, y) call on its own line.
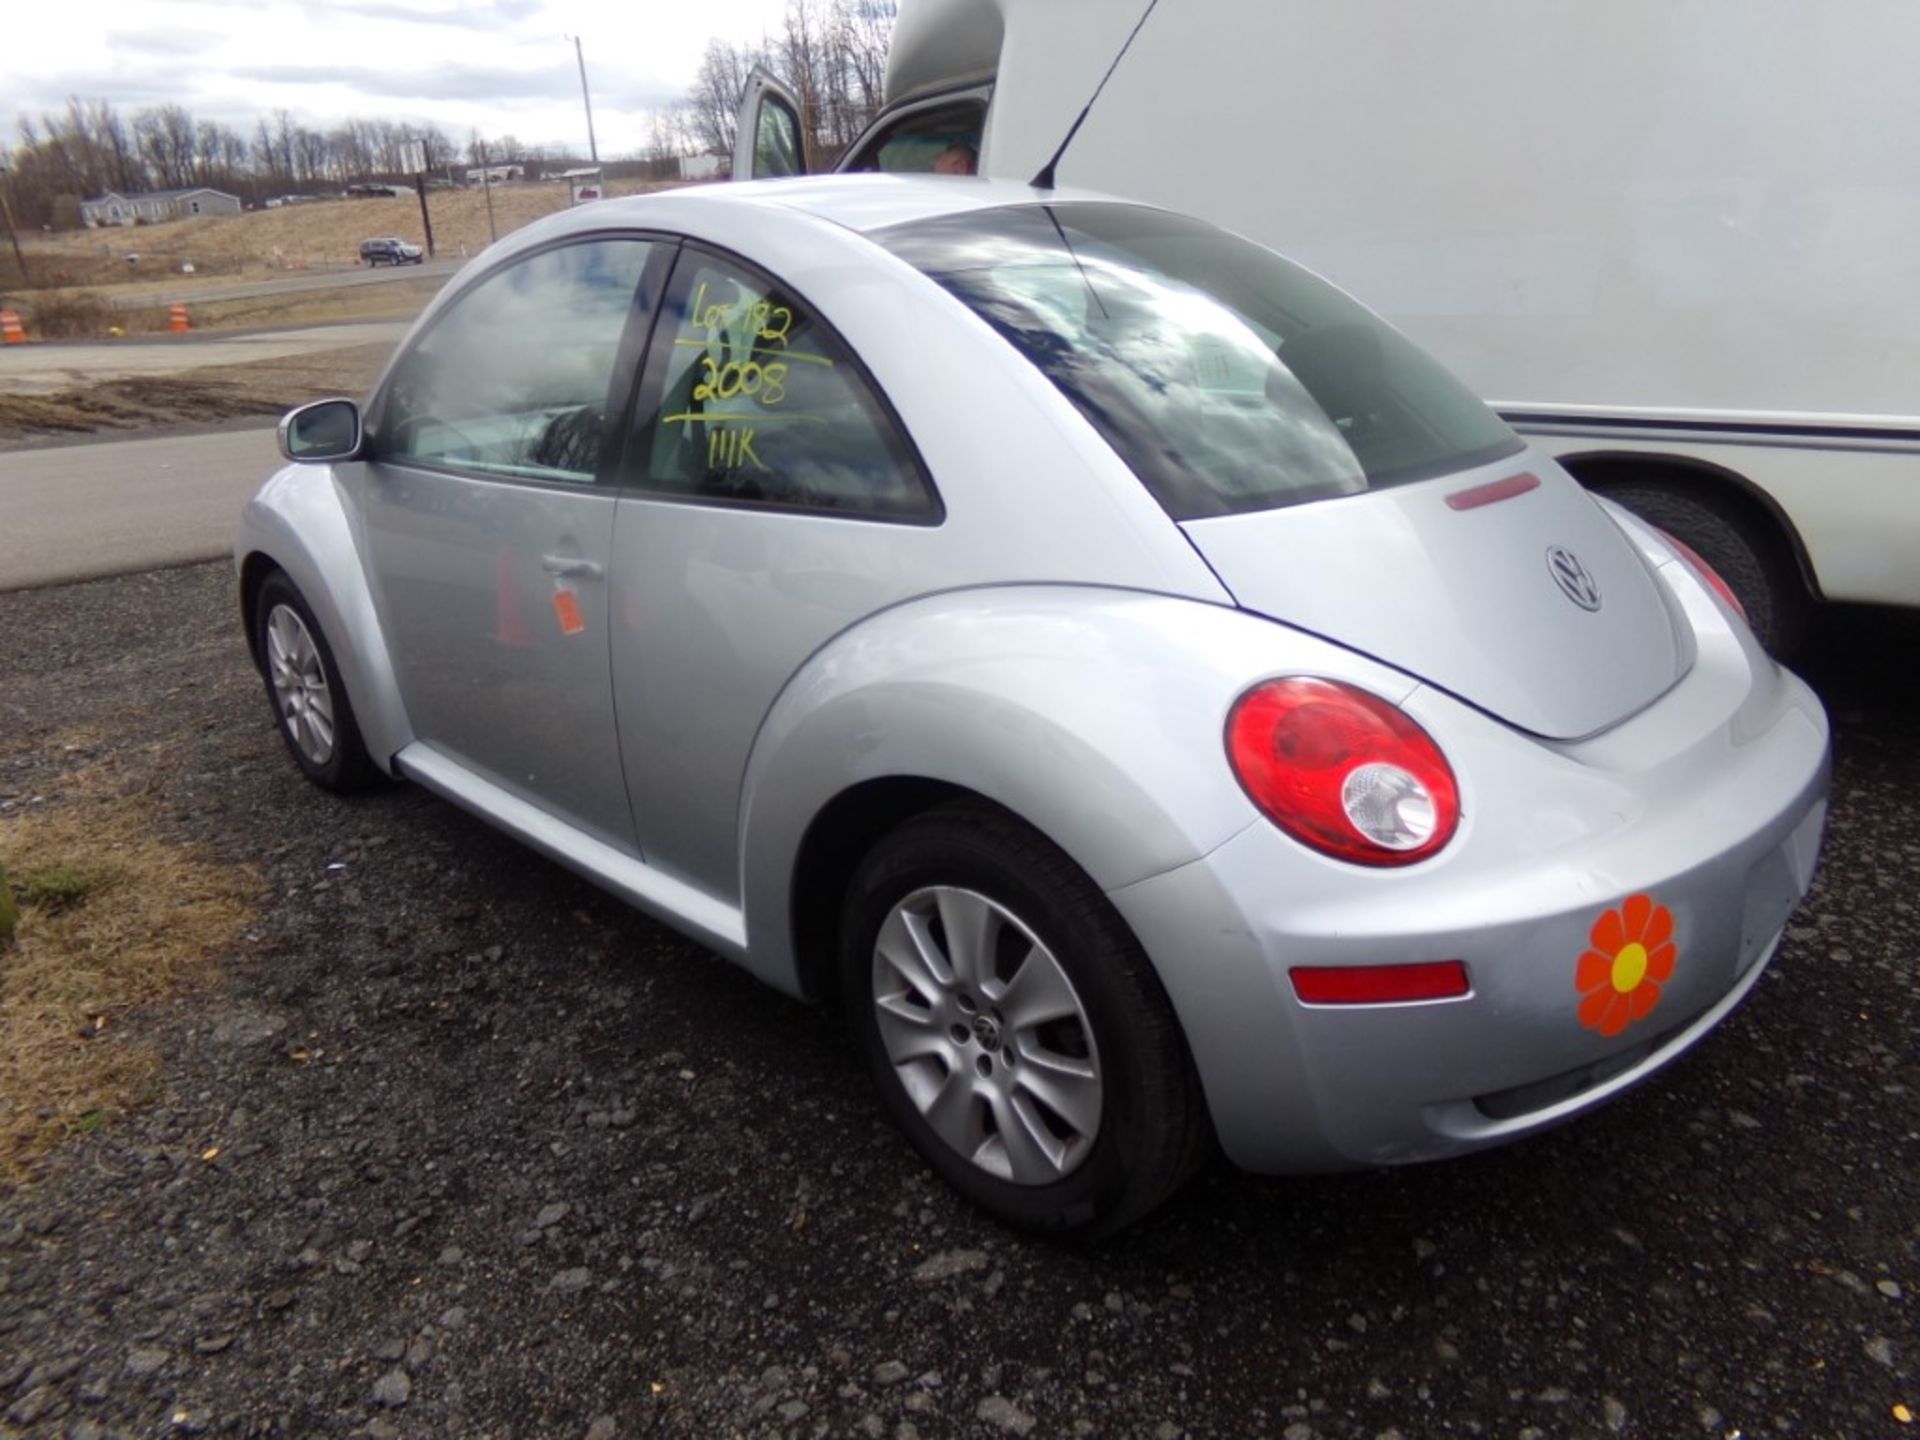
point(667, 135)
point(830, 53)
point(715, 96)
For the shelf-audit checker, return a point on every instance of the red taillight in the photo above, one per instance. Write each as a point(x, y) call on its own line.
point(1343, 771)
point(1705, 571)
point(1379, 984)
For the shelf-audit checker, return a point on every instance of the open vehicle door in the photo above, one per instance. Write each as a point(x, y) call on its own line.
point(767, 136)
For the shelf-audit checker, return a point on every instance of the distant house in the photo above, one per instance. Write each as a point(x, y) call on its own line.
point(152, 206)
point(496, 174)
point(702, 167)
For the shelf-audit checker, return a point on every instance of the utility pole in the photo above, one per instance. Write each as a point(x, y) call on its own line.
point(426, 221)
point(13, 231)
point(593, 149)
point(416, 161)
point(486, 184)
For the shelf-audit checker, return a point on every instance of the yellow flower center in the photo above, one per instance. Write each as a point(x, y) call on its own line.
point(1629, 967)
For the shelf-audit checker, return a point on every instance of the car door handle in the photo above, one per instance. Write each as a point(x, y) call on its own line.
point(571, 567)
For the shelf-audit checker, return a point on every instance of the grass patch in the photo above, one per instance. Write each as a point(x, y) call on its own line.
point(112, 918)
point(60, 888)
point(75, 315)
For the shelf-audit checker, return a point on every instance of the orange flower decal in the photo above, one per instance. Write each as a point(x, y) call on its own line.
point(1619, 979)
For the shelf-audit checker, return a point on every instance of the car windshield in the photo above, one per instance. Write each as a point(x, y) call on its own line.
point(1229, 379)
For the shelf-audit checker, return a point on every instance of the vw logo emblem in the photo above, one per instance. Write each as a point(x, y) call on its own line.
point(1576, 582)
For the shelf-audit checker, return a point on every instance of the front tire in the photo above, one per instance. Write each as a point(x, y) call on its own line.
point(1014, 1027)
point(310, 705)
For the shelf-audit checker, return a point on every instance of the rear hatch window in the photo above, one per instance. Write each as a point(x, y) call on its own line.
point(1229, 379)
point(1238, 388)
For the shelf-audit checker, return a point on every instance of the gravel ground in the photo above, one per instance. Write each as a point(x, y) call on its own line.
point(499, 1158)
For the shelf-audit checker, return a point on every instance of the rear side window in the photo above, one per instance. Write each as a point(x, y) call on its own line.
point(512, 380)
point(1229, 379)
point(750, 399)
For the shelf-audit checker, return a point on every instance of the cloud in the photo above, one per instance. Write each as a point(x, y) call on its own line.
point(33, 94)
point(498, 16)
point(431, 82)
point(498, 84)
point(164, 42)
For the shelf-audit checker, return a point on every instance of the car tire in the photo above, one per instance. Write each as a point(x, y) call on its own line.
point(1750, 557)
point(310, 705)
point(1060, 1099)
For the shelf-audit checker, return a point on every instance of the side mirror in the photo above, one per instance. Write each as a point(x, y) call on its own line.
point(324, 430)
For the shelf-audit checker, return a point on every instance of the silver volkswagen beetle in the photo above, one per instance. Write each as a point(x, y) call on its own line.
point(1156, 702)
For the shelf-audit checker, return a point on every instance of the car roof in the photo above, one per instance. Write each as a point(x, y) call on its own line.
point(862, 203)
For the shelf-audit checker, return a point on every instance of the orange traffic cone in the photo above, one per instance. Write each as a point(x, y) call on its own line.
point(177, 319)
point(10, 331)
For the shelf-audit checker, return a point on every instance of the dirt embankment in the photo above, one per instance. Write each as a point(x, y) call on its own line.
point(263, 388)
point(146, 261)
point(106, 284)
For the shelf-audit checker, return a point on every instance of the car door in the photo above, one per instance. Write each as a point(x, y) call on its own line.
point(771, 499)
point(768, 141)
point(489, 516)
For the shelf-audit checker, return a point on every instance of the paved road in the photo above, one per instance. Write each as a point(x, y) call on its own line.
point(88, 510)
point(42, 369)
point(196, 293)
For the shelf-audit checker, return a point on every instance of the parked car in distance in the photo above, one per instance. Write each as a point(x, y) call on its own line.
point(1158, 703)
point(390, 250)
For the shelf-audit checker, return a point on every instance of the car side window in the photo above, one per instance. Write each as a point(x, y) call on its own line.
point(513, 379)
point(751, 399)
point(941, 139)
point(776, 141)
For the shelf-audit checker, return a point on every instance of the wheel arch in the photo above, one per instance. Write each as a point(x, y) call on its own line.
point(254, 570)
point(1600, 470)
point(1094, 717)
point(298, 525)
point(840, 836)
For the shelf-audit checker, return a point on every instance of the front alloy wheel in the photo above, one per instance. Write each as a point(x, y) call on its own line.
point(310, 704)
point(299, 683)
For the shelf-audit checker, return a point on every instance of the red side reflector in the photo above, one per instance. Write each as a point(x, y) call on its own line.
point(1379, 984)
point(1492, 491)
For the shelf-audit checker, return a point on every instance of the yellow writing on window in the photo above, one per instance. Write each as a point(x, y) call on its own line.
point(766, 383)
point(730, 449)
point(743, 358)
point(770, 322)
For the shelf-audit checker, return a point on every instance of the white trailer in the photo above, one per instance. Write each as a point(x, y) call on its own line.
point(1676, 242)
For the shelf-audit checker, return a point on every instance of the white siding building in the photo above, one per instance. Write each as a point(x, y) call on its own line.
point(154, 206)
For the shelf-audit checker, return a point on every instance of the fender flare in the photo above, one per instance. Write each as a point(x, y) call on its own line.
point(1096, 716)
point(299, 521)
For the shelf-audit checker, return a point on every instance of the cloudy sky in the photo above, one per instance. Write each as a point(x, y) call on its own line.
point(502, 66)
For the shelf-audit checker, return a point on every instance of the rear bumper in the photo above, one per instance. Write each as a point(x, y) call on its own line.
point(1718, 823)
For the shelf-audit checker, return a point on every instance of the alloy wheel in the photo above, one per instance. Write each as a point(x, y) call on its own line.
point(300, 684)
point(990, 1040)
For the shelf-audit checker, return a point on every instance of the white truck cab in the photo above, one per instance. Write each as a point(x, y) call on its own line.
point(1677, 246)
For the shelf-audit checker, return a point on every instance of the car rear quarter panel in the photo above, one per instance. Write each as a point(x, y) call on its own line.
point(1095, 715)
